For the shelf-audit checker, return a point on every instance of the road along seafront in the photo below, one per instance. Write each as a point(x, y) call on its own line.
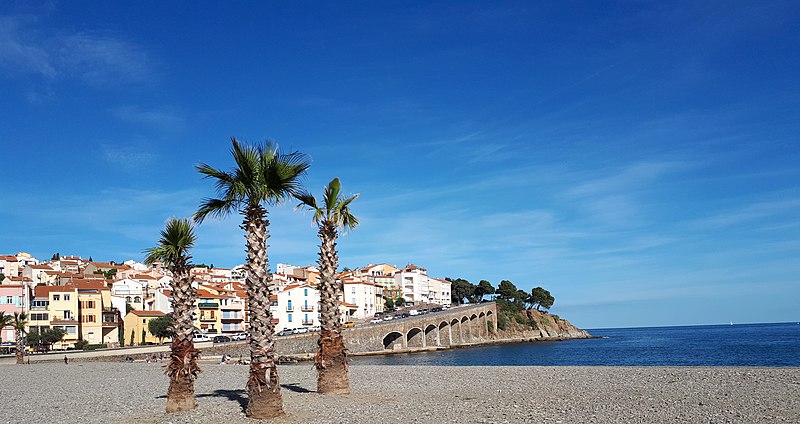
point(105, 392)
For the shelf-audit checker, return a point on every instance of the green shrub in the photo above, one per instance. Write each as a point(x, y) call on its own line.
point(501, 321)
point(545, 321)
point(556, 317)
point(81, 344)
point(94, 346)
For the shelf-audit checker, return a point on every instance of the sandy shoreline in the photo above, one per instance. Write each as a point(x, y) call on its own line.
point(95, 392)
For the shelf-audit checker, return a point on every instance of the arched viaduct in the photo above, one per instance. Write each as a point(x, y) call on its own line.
point(462, 325)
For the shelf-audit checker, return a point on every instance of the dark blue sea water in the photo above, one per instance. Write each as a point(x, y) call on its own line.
point(766, 345)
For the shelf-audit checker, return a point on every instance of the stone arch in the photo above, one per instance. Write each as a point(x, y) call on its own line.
point(466, 329)
point(415, 337)
point(475, 327)
point(445, 333)
point(493, 324)
point(456, 335)
point(432, 335)
point(393, 340)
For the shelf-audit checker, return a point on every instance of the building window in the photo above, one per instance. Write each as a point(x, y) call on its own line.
point(56, 297)
point(353, 290)
point(67, 314)
point(40, 317)
point(9, 299)
point(128, 299)
point(290, 317)
point(137, 299)
point(87, 318)
point(305, 292)
point(66, 297)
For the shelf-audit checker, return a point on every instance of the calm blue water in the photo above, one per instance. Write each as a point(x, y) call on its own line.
point(769, 345)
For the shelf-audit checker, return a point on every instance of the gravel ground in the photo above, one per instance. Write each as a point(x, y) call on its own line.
point(102, 392)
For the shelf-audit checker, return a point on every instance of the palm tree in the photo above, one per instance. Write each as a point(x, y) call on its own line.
point(5, 321)
point(332, 215)
point(262, 177)
point(173, 251)
point(19, 322)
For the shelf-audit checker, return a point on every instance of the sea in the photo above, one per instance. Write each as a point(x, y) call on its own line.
point(756, 345)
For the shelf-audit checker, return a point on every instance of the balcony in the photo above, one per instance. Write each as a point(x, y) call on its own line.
point(231, 318)
point(309, 322)
point(208, 305)
point(289, 308)
point(307, 308)
point(207, 319)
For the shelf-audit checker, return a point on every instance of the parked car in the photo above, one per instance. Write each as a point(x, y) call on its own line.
point(376, 320)
point(285, 332)
point(413, 312)
point(240, 336)
point(200, 337)
point(349, 324)
point(388, 318)
point(300, 330)
point(314, 328)
point(222, 339)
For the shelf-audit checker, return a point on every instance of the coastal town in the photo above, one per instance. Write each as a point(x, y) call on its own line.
point(111, 304)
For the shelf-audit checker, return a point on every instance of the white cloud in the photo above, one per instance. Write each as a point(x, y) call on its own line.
point(28, 47)
point(164, 119)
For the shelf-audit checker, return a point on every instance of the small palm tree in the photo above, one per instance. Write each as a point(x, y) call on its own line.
point(19, 322)
point(331, 216)
point(262, 177)
point(173, 251)
point(5, 321)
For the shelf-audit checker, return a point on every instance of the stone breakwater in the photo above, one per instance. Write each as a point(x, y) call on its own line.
point(128, 393)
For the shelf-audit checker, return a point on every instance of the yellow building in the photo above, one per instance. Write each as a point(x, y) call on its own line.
point(98, 320)
point(56, 306)
point(208, 315)
point(137, 324)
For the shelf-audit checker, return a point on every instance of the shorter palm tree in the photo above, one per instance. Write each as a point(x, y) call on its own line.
point(19, 322)
point(333, 214)
point(5, 321)
point(173, 251)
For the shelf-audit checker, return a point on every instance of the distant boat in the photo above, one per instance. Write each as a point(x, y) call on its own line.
point(731, 322)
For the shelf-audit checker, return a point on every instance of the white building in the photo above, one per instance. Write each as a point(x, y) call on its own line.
point(366, 296)
point(418, 288)
point(296, 306)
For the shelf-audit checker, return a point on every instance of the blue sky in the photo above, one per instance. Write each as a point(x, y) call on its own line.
point(638, 159)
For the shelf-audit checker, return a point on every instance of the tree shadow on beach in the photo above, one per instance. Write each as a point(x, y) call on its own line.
point(234, 395)
point(297, 388)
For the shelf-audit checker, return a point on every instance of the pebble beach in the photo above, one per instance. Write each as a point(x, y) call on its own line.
point(110, 392)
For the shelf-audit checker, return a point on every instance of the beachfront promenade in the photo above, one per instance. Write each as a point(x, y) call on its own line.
point(457, 326)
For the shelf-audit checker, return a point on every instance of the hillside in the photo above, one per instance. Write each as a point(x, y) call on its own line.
point(518, 323)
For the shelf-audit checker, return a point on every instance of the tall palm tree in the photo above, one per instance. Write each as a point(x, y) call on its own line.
point(19, 322)
point(331, 216)
point(173, 251)
point(262, 177)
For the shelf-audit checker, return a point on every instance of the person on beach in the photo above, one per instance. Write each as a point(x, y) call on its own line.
point(66, 360)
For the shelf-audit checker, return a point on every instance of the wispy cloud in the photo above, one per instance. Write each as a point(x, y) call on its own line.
point(162, 119)
point(29, 47)
point(752, 212)
point(126, 156)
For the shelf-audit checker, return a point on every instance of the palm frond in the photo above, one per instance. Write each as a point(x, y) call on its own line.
point(177, 238)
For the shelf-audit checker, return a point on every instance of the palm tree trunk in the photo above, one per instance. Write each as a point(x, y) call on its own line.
point(182, 369)
point(331, 357)
point(263, 387)
point(20, 347)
